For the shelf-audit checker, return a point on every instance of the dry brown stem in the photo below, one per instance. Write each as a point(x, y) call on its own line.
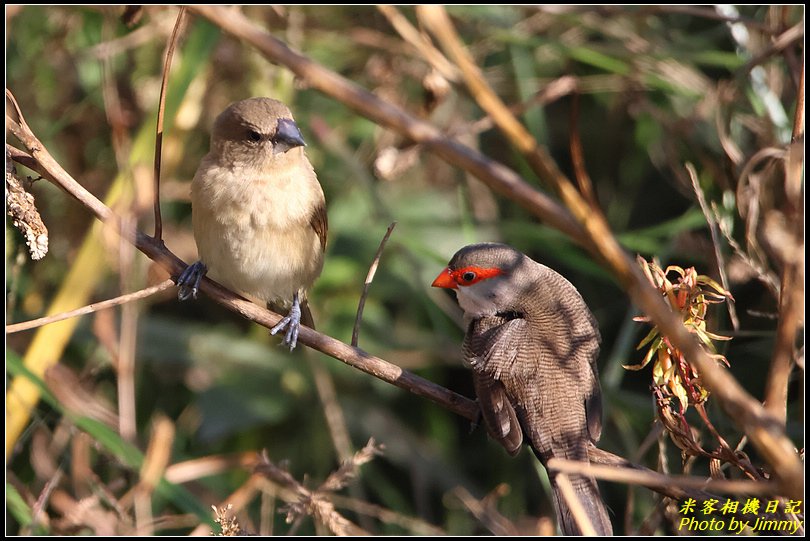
point(90, 308)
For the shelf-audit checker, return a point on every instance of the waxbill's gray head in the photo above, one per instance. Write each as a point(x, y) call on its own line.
point(485, 277)
point(532, 344)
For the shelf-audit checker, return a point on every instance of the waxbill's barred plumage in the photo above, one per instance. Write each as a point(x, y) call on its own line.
point(258, 212)
point(532, 345)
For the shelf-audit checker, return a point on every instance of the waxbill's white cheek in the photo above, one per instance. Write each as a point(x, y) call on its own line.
point(258, 212)
point(532, 345)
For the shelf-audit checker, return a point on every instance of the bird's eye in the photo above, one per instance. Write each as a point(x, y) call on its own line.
point(468, 277)
point(254, 136)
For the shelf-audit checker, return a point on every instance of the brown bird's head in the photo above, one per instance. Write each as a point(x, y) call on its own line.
point(488, 278)
point(254, 131)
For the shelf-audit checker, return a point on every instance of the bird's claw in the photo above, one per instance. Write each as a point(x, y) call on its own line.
point(292, 323)
point(189, 280)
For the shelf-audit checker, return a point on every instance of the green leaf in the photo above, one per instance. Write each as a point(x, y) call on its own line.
point(17, 506)
point(652, 334)
point(599, 60)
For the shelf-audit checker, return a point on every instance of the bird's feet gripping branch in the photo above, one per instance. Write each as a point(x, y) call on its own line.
point(189, 280)
point(292, 323)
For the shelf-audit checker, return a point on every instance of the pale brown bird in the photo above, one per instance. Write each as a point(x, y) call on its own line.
point(258, 212)
point(532, 344)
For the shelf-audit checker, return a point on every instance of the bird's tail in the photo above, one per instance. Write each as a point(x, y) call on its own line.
point(587, 492)
point(306, 315)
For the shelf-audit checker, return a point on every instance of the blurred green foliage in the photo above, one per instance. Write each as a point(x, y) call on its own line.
point(655, 85)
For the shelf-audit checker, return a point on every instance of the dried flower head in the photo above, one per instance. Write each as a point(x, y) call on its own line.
point(689, 294)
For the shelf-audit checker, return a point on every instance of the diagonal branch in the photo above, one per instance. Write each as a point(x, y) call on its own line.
point(90, 308)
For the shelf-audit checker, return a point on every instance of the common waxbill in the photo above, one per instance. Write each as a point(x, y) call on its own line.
point(258, 212)
point(532, 344)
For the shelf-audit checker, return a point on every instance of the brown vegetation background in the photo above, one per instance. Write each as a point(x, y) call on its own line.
point(583, 136)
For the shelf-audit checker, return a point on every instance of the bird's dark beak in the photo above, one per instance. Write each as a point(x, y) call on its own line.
point(287, 136)
point(445, 280)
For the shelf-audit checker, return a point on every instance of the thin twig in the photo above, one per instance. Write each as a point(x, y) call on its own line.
point(649, 478)
point(127, 344)
point(90, 308)
point(575, 505)
point(42, 499)
point(335, 421)
point(369, 278)
point(718, 251)
point(798, 118)
point(578, 157)
point(308, 502)
point(793, 34)
point(486, 514)
point(267, 512)
point(768, 279)
point(419, 41)
point(362, 507)
point(159, 127)
point(791, 295)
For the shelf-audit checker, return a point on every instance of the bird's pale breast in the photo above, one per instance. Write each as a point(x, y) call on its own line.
point(253, 230)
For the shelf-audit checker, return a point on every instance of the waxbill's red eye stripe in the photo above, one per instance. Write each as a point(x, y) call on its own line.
point(532, 344)
point(451, 279)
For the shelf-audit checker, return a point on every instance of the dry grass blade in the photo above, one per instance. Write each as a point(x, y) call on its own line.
point(580, 516)
point(159, 127)
point(90, 308)
point(417, 40)
point(372, 270)
point(713, 230)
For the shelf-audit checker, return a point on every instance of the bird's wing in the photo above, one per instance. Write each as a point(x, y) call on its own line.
point(589, 344)
point(320, 224)
point(491, 346)
point(499, 416)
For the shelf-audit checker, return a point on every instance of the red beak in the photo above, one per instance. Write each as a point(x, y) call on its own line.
point(445, 280)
